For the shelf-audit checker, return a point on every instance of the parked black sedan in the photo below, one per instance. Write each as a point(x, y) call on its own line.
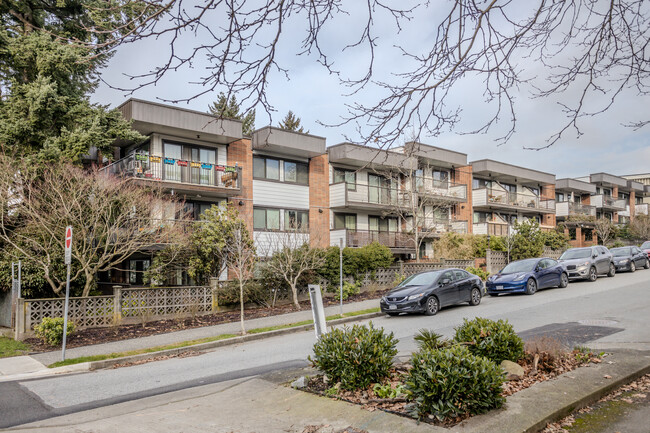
point(630, 258)
point(429, 291)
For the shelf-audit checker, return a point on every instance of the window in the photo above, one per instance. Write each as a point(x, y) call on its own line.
point(296, 219)
point(559, 197)
point(266, 168)
point(623, 196)
point(137, 268)
point(266, 219)
point(481, 217)
point(440, 178)
point(379, 224)
point(347, 176)
point(607, 192)
point(296, 172)
point(480, 183)
point(345, 221)
point(460, 275)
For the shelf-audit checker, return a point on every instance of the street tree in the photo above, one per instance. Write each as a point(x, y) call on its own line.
point(291, 254)
point(527, 241)
point(112, 218)
point(228, 108)
point(605, 229)
point(581, 54)
point(292, 123)
point(640, 227)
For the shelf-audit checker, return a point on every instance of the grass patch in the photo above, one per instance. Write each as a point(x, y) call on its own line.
point(10, 347)
point(81, 359)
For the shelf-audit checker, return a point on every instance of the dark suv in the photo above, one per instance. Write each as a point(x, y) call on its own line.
point(587, 263)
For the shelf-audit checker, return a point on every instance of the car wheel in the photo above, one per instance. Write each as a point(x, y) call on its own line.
point(632, 266)
point(647, 264)
point(475, 297)
point(531, 287)
point(612, 270)
point(564, 280)
point(432, 306)
point(392, 314)
point(593, 275)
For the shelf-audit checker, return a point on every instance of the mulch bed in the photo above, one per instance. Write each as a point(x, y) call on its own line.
point(89, 336)
point(547, 367)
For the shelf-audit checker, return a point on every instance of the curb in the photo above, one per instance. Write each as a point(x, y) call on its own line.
point(98, 365)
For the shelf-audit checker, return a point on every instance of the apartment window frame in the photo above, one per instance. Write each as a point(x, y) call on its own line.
point(345, 173)
point(386, 224)
point(478, 183)
point(262, 165)
point(561, 197)
point(346, 218)
point(265, 227)
point(300, 178)
point(301, 216)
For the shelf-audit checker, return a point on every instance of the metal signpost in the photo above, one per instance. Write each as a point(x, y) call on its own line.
point(68, 260)
point(318, 312)
point(341, 274)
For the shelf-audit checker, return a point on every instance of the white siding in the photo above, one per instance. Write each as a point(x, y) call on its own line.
point(562, 208)
point(479, 229)
point(278, 194)
point(337, 195)
point(479, 197)
point(267, 243)
point(336, 236)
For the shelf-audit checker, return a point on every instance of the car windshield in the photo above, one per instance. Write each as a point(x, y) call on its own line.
point(646, 245)
point(577, 253)
point(621, 252)
point(424, 279)
point(520, 266)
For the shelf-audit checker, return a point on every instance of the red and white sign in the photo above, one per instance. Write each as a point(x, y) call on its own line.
point(68, 245)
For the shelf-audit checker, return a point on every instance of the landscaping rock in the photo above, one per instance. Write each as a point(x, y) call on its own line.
point(513, 370)
point(299, 383)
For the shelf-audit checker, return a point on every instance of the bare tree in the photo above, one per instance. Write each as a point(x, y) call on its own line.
point(589, 51)
point(111, 218)
point(239, 256)
point(640, 227)
point(605, 230)
point(290, 254)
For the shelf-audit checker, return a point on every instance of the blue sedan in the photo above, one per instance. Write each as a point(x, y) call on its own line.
point(527, 276)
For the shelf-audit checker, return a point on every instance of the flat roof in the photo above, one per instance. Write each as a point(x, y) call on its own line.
point(278, 140)
point(510, 173)
point(357, 155)
point(574, 185)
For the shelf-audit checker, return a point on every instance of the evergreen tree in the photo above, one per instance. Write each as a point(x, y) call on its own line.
point(50, 56)
point(229, 109)
point(292, 123)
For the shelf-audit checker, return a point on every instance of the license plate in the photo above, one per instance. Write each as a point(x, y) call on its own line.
point(392, 307)
point(499, 287)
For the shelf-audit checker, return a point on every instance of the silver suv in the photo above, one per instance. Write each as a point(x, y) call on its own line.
point(587, 263)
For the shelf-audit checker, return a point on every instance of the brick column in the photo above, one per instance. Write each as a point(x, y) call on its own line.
point(548, 193)
point(632, 205)
point(615, 197)
point(463, 211)
point(319, 201)
point(240, 152)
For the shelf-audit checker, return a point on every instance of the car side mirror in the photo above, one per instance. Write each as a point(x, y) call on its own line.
point(536, 268)
point(594, 256)
point(445, 282)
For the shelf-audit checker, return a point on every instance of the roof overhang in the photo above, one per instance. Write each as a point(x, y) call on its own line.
point(364, 156)
point(574, 186)
point(509, 173)
point(276, 140)
point(436, 156)
point(608, 180)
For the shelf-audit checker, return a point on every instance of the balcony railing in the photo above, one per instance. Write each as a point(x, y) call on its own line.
point(440, 188)
point(567, 208)
point(341, 195)
point(641, 209)
point(157, 168)
point(605, 201)
point(360, 238)
point(496, 197)
point(442, 226)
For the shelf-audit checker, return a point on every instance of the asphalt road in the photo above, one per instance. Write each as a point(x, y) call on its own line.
point(610, 313)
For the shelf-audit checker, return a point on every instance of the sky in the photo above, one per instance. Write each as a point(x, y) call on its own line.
point(318, 98)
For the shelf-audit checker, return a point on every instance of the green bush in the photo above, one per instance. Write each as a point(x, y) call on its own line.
point(348, 289)
point(355, 357)
point(430, 340)
point(493, 340)
point(481, 273)
point(451, 382)
point(528, 240)
point(555, 240)
point(51, 330)
point(356, 262)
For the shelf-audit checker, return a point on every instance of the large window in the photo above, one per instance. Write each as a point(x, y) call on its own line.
point(137, 268)
point(480, 183)
point(559, 197)
point(296, 219)
point(345, 221)
point(379, 224)
point(347, 176)
point(269, 169)
point(266, 219)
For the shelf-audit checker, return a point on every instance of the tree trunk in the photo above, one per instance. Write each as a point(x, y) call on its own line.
point(294, 292)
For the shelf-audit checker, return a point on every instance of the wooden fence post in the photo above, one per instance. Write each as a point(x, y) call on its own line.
point(214, 285)
point(117, 304)
point(19, 329)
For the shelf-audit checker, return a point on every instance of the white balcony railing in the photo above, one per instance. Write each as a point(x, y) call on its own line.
point(565, 208)
point(497, 197)
point(605, 201)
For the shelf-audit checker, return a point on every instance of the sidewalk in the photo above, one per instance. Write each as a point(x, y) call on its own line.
point(37, 363)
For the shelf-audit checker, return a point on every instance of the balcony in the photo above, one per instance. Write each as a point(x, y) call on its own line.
point(607, 202)
point(212, 180)
point(365, 197)
point(641, 209)
point(567, 208)
point(496, 198)
point(441, 189)
point(492, 229)
point(439, 227)
point(401, 242)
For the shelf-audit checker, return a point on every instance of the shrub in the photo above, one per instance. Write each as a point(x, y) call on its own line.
point(555, 240)
point(355, 357)
point(429, 340)
point(451, 382)
point(528, 240)
point(348, 289)
point(493, 340)
point(481, 273)
point(51, 330)
point(356, 262)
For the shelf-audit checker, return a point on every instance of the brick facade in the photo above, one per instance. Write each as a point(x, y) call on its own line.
point(548, 193)
point(463, 211)
point(319, 201)
point(240, 152)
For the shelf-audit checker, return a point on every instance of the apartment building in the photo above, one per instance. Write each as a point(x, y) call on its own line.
point(503, 194)
point(644, 179)
point(615, 197)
